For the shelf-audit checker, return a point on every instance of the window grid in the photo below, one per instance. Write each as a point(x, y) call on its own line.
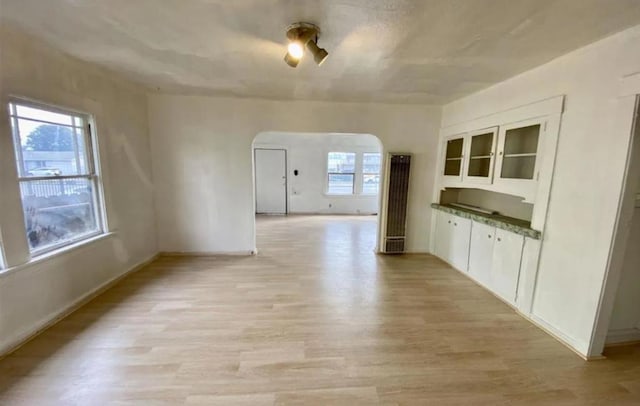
point(61, 207)
point(340, 167)
point(371, 165)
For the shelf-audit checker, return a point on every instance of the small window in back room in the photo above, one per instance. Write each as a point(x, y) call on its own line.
point(371, 173)
point(57, 175)
point(341, 173)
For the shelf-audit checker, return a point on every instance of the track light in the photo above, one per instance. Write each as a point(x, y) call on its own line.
point(301, 35)
point(319, 54)
point(296, 50)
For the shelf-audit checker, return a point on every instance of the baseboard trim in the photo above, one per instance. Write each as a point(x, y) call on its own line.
point(558, 335)
point(623, 336)
point(75, 305)
point(536, 321)
point(208, 253)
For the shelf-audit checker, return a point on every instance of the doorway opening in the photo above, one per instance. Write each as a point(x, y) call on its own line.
point(317, 186)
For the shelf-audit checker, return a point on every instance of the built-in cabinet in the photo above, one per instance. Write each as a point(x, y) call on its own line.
point(491, 256)
point(504, 158)
point(452, 239)
point(453, 158)
point(481, 252)
point(481, 146)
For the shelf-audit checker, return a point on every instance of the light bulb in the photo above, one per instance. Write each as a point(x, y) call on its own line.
point(296, 50)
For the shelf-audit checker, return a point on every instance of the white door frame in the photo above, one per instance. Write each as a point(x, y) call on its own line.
point(286, 178)
point(628, 107)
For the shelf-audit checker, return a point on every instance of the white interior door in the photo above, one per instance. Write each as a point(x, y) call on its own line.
point(271, 181)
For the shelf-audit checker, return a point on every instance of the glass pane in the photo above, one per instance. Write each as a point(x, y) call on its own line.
point(50, 150)
point(479, 167)
point(57, 210)
point(342, 162)
point(522, 140)
point(481, 144)
point(454, 148)
point(370, 184)
point(371, 163)
point(452, 167)
point(44, 115)
point(340, 184)
point(520, 167)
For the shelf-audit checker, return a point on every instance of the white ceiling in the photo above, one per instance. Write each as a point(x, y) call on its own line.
point(399, 51)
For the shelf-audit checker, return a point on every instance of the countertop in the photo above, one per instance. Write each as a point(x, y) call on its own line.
point(514, 225)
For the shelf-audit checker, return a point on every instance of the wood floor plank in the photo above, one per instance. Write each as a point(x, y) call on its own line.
point(316, 318)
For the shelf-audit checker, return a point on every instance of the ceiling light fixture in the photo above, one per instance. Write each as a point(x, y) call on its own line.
point(301, 35)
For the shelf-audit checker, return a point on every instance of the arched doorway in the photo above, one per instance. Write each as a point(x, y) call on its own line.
point(316, 178)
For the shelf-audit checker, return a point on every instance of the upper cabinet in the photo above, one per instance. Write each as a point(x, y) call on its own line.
point(504, 158)
point(518, 157)
point(481, 152)
point(453, 158)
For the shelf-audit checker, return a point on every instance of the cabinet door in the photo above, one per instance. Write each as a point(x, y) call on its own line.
point(443, 235)
point(517, 163)
point(480, 155)
point(459, 249)
point(454, 148)
point(481, 252)
point(505, 268)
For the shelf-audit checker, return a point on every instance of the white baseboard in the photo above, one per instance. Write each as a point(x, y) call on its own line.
point(578, 347)
point(569, 342)
point(207, 253)
point(29, 334)
point(625, 335)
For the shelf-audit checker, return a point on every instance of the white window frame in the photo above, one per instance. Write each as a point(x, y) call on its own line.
point(363, 173)
point(92, 162)
point(354, 174)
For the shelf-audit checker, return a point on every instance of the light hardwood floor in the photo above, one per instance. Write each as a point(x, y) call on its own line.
point(314, 319)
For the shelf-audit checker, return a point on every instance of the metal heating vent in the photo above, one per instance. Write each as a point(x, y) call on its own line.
point(399, 166)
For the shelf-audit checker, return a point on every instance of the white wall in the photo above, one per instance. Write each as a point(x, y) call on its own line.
point(201, 149)
point(588, 175)
point(33, 294)
point(308, 154)
point(626, 310)
point(506, 205)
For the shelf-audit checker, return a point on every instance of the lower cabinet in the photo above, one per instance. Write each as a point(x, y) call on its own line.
point(492, 256)
point(481, 252)
point(443, 234)
point(505, 264)
point(452, 239)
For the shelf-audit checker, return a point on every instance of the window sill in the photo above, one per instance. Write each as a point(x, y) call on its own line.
point(67, 249)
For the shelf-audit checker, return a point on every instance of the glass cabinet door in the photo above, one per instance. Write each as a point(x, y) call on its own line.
point(454, 148)
point(520, 152)
point(481, 155)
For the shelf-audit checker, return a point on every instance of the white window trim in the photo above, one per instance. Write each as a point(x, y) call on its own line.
point(93, 160)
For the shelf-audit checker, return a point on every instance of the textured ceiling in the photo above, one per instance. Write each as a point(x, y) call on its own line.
point(399, 51)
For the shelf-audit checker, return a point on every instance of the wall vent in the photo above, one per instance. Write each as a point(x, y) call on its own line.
point(398, 192)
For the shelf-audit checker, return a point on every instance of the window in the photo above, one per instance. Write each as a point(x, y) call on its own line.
point(57, 175)
point(341, 168)
point(370, 173)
